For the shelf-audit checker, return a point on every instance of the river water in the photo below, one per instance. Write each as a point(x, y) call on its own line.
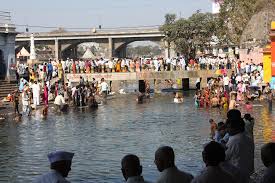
point(102, 137)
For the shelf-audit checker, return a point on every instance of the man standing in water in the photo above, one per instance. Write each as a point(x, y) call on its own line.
point(165, 162)
point(36, 93)
point(61, 162)
point(16, 102)
point(104, 89)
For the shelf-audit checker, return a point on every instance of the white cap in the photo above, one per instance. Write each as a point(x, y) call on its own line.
point(60, 156)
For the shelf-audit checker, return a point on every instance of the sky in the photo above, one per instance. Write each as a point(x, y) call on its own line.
point(91, 13)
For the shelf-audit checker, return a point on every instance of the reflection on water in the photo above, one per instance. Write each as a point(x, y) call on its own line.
point(101, 138)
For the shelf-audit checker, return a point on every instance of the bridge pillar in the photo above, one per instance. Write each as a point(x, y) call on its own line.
point(56, 49)
point(111, 47)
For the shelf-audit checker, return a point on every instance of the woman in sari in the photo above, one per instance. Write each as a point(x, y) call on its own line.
point(32, 75)
point(74, 67)
point(45, 96)
point(137, 66)
point(60, 70)
point(118, 66)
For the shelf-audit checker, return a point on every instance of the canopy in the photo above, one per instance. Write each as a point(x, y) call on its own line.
point(23, 53)
point(88, 54)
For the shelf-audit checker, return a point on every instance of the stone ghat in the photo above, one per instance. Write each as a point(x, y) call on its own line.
point(147, 75)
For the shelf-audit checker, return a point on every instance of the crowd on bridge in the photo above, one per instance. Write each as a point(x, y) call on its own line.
point(130, 65)
point(228, 158)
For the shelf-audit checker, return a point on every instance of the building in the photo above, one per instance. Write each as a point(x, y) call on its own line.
point(7, 46)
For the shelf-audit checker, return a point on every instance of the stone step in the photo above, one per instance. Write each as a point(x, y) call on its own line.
point(8, 86)
point(7, 90)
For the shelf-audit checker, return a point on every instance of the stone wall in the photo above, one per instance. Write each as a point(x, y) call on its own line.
point(7, 46)
point(134, 77)
point(256, 55)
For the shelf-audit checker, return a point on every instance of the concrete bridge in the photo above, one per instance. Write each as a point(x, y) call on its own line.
point(188, 77)
point(114, 42)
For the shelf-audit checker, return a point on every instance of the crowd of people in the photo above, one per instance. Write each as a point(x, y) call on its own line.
point(228, 158)
point(240, 87)
point(53, 67)
point(34, 93)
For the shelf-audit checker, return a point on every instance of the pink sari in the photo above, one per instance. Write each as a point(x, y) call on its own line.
point(46, 95)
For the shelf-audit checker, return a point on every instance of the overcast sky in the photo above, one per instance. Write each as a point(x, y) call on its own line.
point(91, 13)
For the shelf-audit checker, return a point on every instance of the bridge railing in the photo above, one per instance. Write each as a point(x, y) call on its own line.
point(5, 22)
point(5, 17)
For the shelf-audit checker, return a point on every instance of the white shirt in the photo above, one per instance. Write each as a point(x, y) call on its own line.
point(226, 80)
point(214, 174)
point(137, 179)
point(240, 153)
point(104, 86)
point(51, 177)
point(238, 79)
point(59, 100)
point(173, 175)
point(35, 90)
point(111, 64)
point(174, 62)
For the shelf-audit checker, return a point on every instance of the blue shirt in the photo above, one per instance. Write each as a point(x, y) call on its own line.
point(50, 67)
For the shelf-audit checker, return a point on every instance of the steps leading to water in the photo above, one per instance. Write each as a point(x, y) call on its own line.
point(7, 87)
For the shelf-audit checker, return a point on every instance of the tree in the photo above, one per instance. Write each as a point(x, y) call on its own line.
point(170, 18)
point(233, 18)
point(189, 35)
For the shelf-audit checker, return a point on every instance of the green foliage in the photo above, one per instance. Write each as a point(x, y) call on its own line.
point(233, 18)
point(189, 35)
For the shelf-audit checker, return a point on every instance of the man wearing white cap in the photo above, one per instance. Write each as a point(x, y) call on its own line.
point(61, 166)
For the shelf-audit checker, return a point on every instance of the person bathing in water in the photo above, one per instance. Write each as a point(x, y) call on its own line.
point(178, 98)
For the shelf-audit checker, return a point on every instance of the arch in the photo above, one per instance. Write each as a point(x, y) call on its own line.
point(70, 51)
point(120, 49)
